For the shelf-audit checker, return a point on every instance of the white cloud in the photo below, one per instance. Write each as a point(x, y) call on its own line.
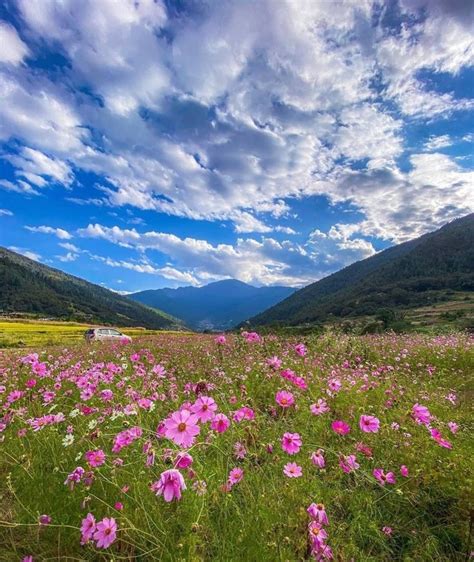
point(18, 187)
point(436, 142)
point(265, 262)
point(5, 213)
point(69, 257)
point(24, 252)
point(12, 48)
point(59, 232)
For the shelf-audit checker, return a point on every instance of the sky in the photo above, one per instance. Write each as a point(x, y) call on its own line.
point(148, 144)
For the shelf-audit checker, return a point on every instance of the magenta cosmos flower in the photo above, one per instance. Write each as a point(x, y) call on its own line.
point(369, 424)
point(181, 427)
point(292, 470)
point(291, 443)
point(284, 399)
point(183, 460)
point(87, 528)
point(382, 477)
point(421, 414)
point(95, 458)
point(317, 534)
point(170, 485)
point(317, 458)
point(340, 427)
point(317, 512)
point(404, 471)
point(235, 476)
point(105, 532)
point(220, 423)
point(204, 408)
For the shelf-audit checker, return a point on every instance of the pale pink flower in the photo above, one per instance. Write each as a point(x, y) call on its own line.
point(317, 534)
point(319, 408)
point(181, 427)
point(291, 443)
point(221, 340)
point(453, 427)
point(292, 470)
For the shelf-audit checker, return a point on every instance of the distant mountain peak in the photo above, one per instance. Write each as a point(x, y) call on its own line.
point(218, 305)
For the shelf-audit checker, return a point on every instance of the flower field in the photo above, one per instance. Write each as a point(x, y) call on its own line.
point(238, 447)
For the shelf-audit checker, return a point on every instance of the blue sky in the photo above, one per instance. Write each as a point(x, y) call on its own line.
point(174, 143)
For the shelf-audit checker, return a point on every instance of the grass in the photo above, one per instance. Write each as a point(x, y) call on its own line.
point(263, 517)
point(32, 333)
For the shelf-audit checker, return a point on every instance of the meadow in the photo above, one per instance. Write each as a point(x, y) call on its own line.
point(183, 447)
point(31, 333)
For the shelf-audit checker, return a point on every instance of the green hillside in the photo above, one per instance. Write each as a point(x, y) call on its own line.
point(33, 288)
point(411, 275)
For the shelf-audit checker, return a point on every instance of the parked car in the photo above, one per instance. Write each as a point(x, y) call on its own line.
point(105, 334)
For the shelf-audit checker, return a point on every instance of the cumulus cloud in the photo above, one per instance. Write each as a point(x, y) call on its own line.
point(13, 49)
point(25, 252)
point(232, 112)
point(266, 261)
point(59, 232)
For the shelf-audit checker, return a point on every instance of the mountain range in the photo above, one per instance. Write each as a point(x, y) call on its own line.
point(216, 306)
point(27, 286)
point(413, 274)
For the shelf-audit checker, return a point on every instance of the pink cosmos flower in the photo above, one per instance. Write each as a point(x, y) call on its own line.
point(235, 476)
point(95, 458)
point(436, 435)
point(300, 349)
point(183, 460)
point(181, 427)
point(28, 558)
point(369, 424)
point(340, 427)
point(453, 427)
point(106, 532)
point(334, 385)
point(349, 463)
point(274, 362)
point(220, 423)
point(244, 413)
point(221, 340)
point(319, 408)
point(382, 477)
point(317, 512)
point(118, 506)
point(404, 471)
point(387, 530)
point(87, 528)
point(317, 459)
point(421, 414)
point(170, 485)
point(292, 470)
point(125, 438)
point(204, 408)
point(317, 534)
point(291, 443)
point(284, 398)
